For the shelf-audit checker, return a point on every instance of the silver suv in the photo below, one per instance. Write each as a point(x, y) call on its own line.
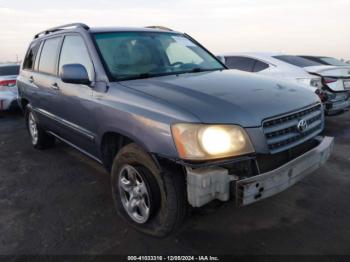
point(171, 123)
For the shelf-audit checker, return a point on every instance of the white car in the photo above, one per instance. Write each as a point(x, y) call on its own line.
point(8, 88)
point(329, 82)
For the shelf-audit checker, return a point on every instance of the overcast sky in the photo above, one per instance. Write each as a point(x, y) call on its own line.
point(319, 27)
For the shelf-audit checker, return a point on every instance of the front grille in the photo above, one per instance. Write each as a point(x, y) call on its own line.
point(282, 132)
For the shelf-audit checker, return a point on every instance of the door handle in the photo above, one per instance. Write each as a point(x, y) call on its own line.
point(31, 79)
point(55, 86)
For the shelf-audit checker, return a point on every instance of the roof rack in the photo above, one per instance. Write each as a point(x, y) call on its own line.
point(159, 27)
point(57, 28)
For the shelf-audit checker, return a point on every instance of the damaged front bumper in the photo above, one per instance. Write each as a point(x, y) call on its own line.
point(207, 184)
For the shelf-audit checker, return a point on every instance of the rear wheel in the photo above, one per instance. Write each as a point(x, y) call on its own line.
point(150, 200)
point(39, 138)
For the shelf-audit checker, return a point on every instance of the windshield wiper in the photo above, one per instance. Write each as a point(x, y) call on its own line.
point(199, 69)
point(139, 76)
point(149, 75)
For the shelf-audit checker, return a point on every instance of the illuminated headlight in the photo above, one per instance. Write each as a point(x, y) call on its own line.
point(202, 142)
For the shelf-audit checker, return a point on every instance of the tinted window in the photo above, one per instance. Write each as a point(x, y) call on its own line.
point(9, 70)
point(240, 63)
point(326, 60)
point(48, 57)
point(297, 61)
point(74, 51)
point(30, 57)
point(315, 59)
point(260, 66)
point(333, 61)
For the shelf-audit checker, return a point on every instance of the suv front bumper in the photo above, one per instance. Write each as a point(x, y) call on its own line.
point(204, 185)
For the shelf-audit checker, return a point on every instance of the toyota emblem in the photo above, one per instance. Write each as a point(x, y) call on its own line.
point(302, 126)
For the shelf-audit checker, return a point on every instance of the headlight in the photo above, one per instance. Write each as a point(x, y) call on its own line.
point(202, 142)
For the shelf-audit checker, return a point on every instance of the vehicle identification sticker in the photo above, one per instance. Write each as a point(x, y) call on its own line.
point(347, 84)
point(182, 40)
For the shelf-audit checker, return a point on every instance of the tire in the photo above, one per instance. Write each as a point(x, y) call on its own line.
point(166, 192)
point(39, 138)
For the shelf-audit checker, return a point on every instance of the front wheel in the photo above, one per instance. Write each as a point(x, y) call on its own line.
point(39, 138)
point(150, 200)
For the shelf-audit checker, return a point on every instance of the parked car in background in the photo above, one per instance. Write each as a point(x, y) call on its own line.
point(330, 83)
point(325, 60)
point(335, 90)
point(8, 88)
point(168, 120)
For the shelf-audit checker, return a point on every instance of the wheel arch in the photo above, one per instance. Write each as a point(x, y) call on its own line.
point(110, 144)
point(23, 103)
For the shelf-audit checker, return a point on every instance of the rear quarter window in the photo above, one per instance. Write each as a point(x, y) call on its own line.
point(30, 56)
point(260, 66)
point(240, 63)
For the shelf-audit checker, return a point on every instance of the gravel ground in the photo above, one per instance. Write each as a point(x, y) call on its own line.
point(59, 202)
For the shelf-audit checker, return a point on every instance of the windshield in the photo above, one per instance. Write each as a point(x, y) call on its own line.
point(131, 55)
point(297, 61)
point(333, 61)
point(9, 70)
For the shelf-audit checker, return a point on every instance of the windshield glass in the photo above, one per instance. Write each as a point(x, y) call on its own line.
point(297, 61)
point(333, 61)
point(131, 55)
point(9, 70)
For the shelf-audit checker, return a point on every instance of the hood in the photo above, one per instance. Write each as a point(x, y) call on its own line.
point(227, 97)
point(332, 71)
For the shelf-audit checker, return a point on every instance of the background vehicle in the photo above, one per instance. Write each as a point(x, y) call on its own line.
point(325, 60)
point(8, 88)
point(335, 90)
point(328, 82)
point(166, 118)
point(268, 64)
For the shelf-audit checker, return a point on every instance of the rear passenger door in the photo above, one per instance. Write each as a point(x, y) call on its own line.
point(44, 78)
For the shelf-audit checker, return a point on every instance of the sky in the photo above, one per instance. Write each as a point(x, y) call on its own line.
point(314, 27)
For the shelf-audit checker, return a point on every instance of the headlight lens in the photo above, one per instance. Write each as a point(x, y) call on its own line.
point(202, 142)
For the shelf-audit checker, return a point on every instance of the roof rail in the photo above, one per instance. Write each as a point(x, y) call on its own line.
point(159, 27)
point(57, 28)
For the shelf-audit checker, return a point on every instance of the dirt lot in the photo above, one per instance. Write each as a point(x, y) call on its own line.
point(59, 202)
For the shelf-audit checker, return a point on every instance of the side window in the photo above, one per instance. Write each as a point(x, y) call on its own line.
point(30, 56)
point(240, 63)
point(260, 66)
point(74, 51)
point(48, 57)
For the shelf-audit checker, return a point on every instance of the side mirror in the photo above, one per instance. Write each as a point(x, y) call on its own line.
point(74, 74)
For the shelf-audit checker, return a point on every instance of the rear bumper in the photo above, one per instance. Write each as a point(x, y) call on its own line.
point(255, 188)
point(339, 103)
point(8, 100)
point(205, 185)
